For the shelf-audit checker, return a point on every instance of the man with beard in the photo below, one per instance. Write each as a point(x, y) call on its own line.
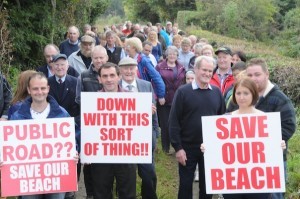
point(81, 60)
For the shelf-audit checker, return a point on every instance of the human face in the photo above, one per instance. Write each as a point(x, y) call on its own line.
point(130, 50)
point(224, 61)
point(86, 48)
point(61, 67)
point(128, 73)
point(243, 97)
point(109, 79)
point(147, 49)
point(260, 77)
point(110, 41)
point(197, 52)
point(185, 48)
point(152, 35)
point(204, 73)
point(235, 73)
point(177, 43)
point(99, 58)
point(189, 78)
point(175, 30)
point(49, 52)
point(235, 59)
point(38, 89)
point(208, 53)
point(172, 57)
point(73, 34)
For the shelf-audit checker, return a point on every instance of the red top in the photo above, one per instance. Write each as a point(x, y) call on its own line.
point(215, 80)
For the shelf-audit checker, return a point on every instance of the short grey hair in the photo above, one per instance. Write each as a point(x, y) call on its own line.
point(199, 60)
point(172, 49)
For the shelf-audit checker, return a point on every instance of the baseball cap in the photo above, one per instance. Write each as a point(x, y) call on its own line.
point(224, 49)
point(59, 56)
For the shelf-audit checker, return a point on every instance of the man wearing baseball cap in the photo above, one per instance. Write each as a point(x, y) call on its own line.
point(223, 77)
point(128, 71)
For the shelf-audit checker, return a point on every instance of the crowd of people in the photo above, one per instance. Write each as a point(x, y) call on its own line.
point(188, 79)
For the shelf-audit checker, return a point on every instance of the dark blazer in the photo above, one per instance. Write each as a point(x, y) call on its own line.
point(66, 99)
point(71, 71)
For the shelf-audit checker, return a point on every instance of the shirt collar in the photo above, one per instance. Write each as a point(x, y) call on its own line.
point(49, 71)
point(125, 84)
point(195, 86)
point(229, 72)
point(268, 88)
point(62, 78)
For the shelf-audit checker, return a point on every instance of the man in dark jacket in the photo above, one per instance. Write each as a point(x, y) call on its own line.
point(272, 99)
point(5, 97)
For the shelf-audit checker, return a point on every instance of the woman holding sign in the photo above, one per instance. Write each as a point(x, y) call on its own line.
point(245, 95)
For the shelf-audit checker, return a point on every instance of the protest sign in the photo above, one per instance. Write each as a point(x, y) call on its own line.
point(38, 156)
point(116, 127)
point(243, 153)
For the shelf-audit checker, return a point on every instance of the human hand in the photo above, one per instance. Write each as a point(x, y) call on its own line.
point(153, 109)
point(162, 101)
point(181, 157)
point(3, 119)
point(283, 145)
point(202, 148)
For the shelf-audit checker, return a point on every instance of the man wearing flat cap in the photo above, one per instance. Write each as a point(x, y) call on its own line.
point(128, 71)
point(81, 59)
point(223, 77)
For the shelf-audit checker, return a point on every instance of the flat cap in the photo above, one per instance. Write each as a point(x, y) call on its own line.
point(128, 61)
point(59, 56)
point(87, 39)
point(224, 49)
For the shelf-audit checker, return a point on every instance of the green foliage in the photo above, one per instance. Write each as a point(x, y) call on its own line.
point(229, 20)
point(33, 24)
point(288, 80)
point(156, 10)
point(289, 39)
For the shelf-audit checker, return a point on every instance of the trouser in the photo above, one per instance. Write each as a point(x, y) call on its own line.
point(163, 113)
point(103, 179)
point(247, 196)
point(149, 181)
point(45, 196)
point(87, 176)
point(186, 175)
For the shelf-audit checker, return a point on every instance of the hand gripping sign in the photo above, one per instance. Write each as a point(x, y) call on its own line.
point(243, 153)
point(38, 156)
point(116, 127)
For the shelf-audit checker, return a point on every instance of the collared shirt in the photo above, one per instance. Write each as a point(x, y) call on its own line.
point(268, 88)
point(125, 84)
point(113, 49)
point(223, 77)
point(62, 79)
point(195, 86)
point(49, 71)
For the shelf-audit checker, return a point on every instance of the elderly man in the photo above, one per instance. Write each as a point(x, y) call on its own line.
point(51, 50)
point(223, 77)
point(81, 60)
point(128, 70)
point(70, 45)
point(63, 86)
point(190, 103)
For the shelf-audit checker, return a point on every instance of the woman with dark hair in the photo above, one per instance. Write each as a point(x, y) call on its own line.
point(238, 56)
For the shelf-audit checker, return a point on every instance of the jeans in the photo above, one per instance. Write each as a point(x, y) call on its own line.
point(45, 196)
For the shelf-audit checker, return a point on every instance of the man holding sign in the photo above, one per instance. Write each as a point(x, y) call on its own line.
point(191, 102)
point(40, 106)
point(104, 174)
